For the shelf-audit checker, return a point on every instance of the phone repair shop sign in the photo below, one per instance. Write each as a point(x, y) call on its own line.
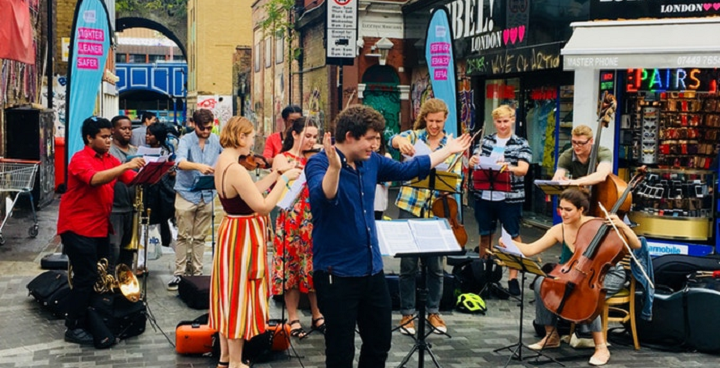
point(341, 32)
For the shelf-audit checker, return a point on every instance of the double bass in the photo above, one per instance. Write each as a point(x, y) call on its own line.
point(574, 290)
point(608, 191)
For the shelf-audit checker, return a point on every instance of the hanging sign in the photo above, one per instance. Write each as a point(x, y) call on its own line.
point(89, 45)
point(441, 65)
point(341, 32)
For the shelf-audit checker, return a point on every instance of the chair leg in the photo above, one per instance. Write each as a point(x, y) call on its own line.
point(633, 329)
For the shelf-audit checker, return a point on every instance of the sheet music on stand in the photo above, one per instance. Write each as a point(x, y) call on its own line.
point(152, 172)
point(203, 182)
point(553, 187)
point(416, 236)
point(442, 181)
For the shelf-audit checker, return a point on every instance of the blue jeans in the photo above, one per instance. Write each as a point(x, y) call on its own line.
point(408, 273)
point(345, 301)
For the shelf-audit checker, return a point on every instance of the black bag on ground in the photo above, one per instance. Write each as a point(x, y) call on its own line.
point(52, 290)
point(259, 348)
point(123, 317)
point(473, 276)
point(103, 338)
point(195, 291)
point(54, 261)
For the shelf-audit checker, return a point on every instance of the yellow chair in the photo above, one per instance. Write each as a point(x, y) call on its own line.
point(612, 311)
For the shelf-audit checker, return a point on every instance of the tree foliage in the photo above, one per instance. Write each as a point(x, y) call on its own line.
point(280, 22)
point(172, 8)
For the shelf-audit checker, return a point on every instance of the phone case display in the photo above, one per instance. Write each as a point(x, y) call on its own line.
point(649, 132)
point(675, 204)
point(690, 128)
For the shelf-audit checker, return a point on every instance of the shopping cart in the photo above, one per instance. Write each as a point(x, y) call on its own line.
point(18, 177)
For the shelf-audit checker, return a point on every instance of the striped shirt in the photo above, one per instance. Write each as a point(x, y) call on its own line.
point(516, 150)
point(415, 200)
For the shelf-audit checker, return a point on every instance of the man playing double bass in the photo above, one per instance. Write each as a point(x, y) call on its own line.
point(575, 161)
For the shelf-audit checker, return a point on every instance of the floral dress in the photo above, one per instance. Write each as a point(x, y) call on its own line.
point(292, 259)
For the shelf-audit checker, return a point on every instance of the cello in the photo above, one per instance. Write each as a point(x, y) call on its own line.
point(608, 191)
point(574, 290)
point(447, 207)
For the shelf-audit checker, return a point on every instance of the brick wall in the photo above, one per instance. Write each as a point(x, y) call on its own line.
point(315, 76)
point(65, 11)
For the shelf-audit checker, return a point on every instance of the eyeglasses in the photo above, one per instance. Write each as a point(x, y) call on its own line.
point(201, 128)
point(578, 143)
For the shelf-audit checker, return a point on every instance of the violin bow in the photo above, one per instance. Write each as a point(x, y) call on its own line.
point(607, 216)
point(458, 155)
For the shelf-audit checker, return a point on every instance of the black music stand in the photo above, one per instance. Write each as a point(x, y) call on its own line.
point(525, 265)
point(421, 346)
point(442, 181)
point(150, 174)
point(551, 187)
point(207, 183)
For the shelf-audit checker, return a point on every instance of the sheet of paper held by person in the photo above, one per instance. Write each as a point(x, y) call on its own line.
point(510, 246)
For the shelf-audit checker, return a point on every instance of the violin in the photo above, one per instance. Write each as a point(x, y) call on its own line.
point(447, 207)
point(253, 161)
point(575, 290)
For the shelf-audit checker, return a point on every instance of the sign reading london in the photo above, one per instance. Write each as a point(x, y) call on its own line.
point(341, 32)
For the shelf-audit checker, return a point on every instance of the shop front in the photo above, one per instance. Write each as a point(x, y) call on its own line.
point(665, 75)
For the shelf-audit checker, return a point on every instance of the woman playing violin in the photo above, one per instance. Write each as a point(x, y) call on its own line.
point(292, 261)
point(574, 204)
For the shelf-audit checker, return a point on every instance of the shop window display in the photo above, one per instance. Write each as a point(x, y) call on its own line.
point(671, 123)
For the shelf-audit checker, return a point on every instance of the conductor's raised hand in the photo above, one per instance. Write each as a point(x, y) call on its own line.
point(459, 144)
point(333, 157)
point(135, 163)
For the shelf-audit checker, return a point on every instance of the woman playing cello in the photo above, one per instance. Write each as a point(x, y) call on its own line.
point(573, 206)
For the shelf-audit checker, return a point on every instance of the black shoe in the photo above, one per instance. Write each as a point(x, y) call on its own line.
point(514, 287)
point(78, 336)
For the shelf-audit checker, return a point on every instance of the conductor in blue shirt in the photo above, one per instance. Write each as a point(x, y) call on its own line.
point(348, 274)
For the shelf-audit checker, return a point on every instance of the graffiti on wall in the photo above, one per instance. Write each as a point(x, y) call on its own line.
point(466, 98)
point(221, 107)
point(420, 90)
point(314, 107)
point(59, 83)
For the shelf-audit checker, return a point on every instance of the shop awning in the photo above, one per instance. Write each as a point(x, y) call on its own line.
point(656, 43)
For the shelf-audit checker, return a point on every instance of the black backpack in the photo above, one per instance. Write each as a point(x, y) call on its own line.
point(474, 276)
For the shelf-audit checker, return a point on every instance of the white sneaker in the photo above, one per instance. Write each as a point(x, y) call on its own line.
point(173, 284)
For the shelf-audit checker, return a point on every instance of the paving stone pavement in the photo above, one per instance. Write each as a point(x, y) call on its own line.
point(31, 337)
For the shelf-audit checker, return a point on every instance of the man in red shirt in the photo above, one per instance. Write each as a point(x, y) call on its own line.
point(84, 217)
point(273, 143)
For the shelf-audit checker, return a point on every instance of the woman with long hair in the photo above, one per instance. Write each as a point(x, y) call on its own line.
point(238, 283)
point(573, 206)
point(292, 261)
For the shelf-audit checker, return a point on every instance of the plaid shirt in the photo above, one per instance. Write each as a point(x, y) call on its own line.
point(415, 200)
point(516, 150)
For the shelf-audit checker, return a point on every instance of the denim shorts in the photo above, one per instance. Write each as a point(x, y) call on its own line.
point(487, 214)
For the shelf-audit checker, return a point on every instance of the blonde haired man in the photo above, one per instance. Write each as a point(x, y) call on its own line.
point(575, 161)
point(490, 206)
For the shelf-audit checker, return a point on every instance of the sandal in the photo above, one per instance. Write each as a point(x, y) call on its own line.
point(223, 364)
point(321, 327)
point(298, 331)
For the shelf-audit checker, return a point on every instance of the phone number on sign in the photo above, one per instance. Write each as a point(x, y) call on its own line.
point(712, 60)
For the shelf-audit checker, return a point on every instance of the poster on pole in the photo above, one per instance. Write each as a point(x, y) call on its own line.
point(89, 46)
point(341, 32)
point(441, 64)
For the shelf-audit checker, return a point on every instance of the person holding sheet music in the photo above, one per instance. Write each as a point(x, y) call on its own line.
point(515, 155)
point(292, 259)
point(573, 207)
point(429, 129)
point(161, 196)
point(348, 267)
point(239, 282)
point(84, 217)
point(573, 163)
point(196, 155)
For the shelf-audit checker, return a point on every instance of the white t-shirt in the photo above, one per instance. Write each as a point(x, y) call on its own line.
point(499, 153)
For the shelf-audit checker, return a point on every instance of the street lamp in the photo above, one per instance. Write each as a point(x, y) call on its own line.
point(383, 46)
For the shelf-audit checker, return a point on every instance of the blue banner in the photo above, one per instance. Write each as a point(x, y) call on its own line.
point(441, 65)
point(89, 46)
